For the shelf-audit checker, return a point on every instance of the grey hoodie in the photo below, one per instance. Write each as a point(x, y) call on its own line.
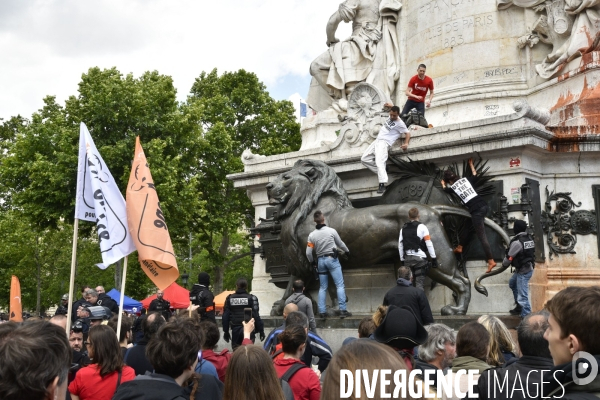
point(305, 305)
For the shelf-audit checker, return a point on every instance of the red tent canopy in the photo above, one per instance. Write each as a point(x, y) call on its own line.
point(178, 296)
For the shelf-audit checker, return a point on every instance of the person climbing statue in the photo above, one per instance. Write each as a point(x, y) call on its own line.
point(477, 206)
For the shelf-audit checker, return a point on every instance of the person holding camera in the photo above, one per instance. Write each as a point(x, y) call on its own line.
point(324, 241)
point(414, 241)
point(233, 313)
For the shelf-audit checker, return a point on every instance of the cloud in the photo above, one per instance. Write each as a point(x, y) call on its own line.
point(47, 44)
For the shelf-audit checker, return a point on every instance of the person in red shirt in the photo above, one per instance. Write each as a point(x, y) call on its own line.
point(99, 381)
point(417, 92)
point(304, 382)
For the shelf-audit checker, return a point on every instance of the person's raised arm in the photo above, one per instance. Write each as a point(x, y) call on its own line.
point(473, 170)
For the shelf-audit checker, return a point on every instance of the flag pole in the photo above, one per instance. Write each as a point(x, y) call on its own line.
point(72, 278)
point(122, 298)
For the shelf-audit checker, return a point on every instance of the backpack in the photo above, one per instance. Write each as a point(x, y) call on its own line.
point(284, 380)
point(413, 117)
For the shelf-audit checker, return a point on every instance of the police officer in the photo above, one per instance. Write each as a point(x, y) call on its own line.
point(201, 296)
point(325, 241)
point(521, 254)
point(233, 313)
point(161, 305)
point(63, 308)
point(414, 240)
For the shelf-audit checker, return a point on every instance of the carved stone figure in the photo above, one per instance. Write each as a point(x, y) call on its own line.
point(370, 233)
point(570, 26)
point(370, 54)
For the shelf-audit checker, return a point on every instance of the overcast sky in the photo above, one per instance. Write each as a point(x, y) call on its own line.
point(45, 45)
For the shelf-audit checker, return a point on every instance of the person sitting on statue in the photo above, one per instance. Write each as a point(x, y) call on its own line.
point(417, 91)
point(376, 154)
point(477, 206)
point(414, 236)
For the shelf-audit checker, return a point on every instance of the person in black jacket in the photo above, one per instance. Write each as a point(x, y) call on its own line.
point(201, 296)
point(525, 373)
point(173, 353)
point(102, 299)
point(63, 309)
point(135, 356)
point(521, 254)
point(405, 294)
point(160, 305)
point(233, 313)
point(463, 187)
point(78, 303)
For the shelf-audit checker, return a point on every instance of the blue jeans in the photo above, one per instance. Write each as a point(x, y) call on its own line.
point(331, 266)
point(519, 283)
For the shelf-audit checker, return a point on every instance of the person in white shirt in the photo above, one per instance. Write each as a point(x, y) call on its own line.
point(414, 237)
point(376, 154)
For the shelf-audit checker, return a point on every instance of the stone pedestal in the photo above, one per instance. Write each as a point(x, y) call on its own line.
point(490, 103)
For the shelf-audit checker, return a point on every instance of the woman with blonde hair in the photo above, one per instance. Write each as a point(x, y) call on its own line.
point(251, 376)
point(502, 346)
point(365, 354)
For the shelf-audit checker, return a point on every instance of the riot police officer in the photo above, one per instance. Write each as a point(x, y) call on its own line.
point(233, 312)
point(413, 243)
point(521, 254)
point(63, 309)
point(161, 305)
point(201, 296)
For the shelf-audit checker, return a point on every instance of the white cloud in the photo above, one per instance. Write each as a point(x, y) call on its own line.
point(47, 44)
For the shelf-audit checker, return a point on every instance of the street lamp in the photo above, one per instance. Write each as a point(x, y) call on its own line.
point(184, 279)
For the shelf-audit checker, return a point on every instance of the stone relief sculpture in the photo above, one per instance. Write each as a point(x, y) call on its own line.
point(370, 54)
point(365, 107)
point(570, 26)
point(370, 233)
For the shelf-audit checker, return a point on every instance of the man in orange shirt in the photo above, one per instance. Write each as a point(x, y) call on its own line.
point(417, 91)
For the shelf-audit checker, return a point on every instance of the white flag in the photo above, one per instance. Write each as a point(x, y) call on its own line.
point(100, 200)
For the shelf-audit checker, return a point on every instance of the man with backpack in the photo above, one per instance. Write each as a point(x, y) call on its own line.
point(304, 304)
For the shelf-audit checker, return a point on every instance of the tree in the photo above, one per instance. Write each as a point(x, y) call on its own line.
point(191, 148)
point(236, 112)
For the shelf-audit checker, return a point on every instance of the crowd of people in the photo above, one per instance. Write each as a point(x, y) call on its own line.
point(179, 358)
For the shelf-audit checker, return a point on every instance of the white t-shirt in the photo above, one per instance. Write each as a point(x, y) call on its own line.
point(464, 190)
point(392, 130)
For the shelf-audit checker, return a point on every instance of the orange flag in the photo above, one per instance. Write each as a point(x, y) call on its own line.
point(16, 309)
point(147, 224)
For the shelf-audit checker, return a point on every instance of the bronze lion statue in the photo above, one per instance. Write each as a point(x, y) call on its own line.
point(370, 233)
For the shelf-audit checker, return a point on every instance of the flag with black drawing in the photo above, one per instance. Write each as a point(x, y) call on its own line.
point(99, 200)
point(147, 224)
point(16, 308)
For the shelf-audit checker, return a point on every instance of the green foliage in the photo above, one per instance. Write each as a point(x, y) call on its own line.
point(191, 148)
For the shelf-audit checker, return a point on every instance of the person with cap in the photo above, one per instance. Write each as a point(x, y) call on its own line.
point(201, 296)
point(521, 254)
point(160, 305)
point(63, 309)
point(401, 330)
point(405, 294)
point(98, 315)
